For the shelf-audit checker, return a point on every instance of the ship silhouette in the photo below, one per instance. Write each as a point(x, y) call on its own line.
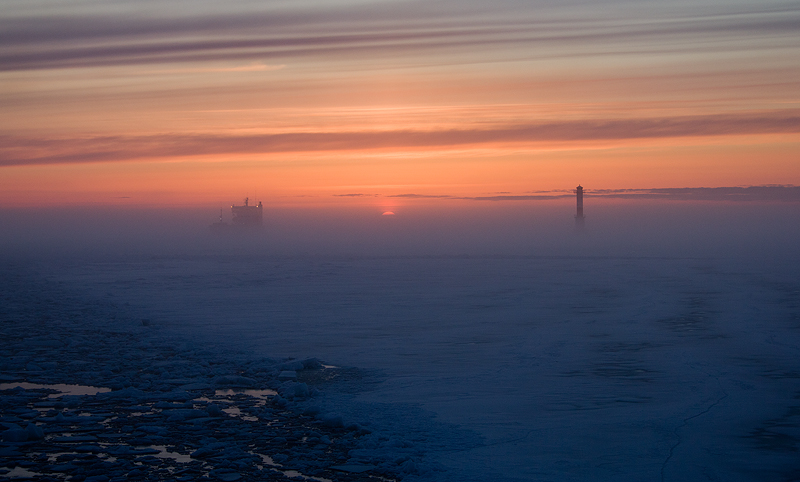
point(243, 218)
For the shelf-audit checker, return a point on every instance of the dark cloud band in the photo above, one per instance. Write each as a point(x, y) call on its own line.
point(21, 151)
point(776, 193)
point(385, 29)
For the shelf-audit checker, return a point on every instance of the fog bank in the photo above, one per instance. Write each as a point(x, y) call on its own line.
point(471, 228)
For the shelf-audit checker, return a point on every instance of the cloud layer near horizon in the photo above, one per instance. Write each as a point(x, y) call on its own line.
point(22, 151)
point(787, 193)
point(508, 96)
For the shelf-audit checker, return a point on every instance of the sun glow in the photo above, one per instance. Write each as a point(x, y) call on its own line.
point(429, 124)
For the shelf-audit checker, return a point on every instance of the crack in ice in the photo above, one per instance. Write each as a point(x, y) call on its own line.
point(686, 422)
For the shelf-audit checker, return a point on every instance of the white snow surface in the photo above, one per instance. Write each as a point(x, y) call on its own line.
point(512, 367)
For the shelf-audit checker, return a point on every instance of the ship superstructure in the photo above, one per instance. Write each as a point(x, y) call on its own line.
point(242, 218)
point(247, 215)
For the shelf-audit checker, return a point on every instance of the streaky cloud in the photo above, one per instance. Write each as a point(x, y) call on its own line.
point(252, 67)
point(499, 197)
point(533, 197)
point(778, 192)
point(387, 29)
point(422, 196)
point(17, 150)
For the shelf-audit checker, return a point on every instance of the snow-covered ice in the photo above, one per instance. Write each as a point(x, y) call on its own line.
point(512, 368)
point(580, 366)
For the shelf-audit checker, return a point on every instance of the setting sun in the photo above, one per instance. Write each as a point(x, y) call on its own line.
point(428, 241)
point(301, 114)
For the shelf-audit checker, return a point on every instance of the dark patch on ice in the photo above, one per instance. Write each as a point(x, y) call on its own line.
point(697, 320)
point(593, 402)
point(341, 379)
point(621, 347)
point(624, 369)
point(781, 434)
point(771, 438)
point(616, 360)
point(779, 374)
point(353, 468)
point(767, 368)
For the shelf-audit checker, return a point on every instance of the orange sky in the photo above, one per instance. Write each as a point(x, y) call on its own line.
point(355, 102)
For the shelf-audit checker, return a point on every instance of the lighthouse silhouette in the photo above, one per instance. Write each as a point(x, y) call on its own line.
point(579, 215)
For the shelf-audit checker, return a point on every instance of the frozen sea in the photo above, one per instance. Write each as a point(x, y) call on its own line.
point(514, 367)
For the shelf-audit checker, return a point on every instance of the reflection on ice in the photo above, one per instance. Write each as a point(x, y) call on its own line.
point(20, 473)
point(297, 475)
point(262, 394)
point(226, 396)
point(63, 389)
point(237, 412)
point(164, 453)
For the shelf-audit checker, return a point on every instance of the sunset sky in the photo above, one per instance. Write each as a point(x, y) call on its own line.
point(382, 101)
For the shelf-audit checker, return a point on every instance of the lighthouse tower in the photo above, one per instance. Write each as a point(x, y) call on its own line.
point(579, 215)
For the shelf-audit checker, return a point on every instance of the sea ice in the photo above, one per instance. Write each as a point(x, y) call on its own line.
point(469, 368)
point(287, 375)
point(15, 434)
point(34, 432)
